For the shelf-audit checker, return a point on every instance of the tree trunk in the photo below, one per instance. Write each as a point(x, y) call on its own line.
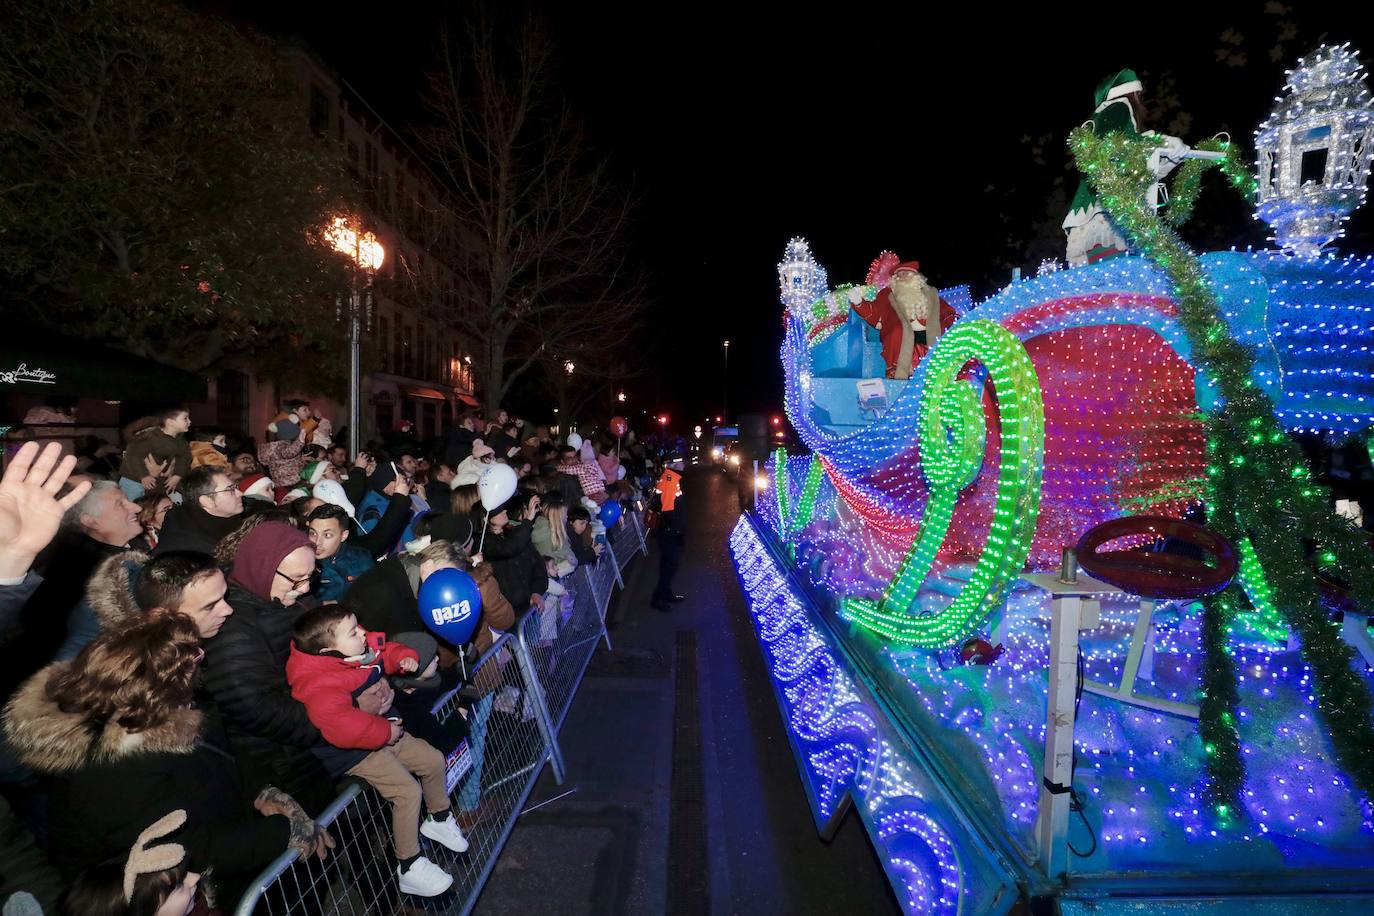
point(496, 375)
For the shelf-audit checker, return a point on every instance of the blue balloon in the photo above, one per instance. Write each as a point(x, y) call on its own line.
point(451, 605)
point(610, 513)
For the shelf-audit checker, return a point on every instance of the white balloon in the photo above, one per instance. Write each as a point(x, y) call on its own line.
point(496, 485)
point(620, 473)
point(574, 440)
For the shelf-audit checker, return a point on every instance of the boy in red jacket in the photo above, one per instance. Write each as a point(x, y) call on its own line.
point(332, 661)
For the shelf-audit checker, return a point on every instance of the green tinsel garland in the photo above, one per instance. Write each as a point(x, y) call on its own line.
point(1218, 695)
point(1187, 182)
point(1272, 497)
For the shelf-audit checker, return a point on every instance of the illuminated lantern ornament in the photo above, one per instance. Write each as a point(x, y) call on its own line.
point(1313, 153)
point(801, 278)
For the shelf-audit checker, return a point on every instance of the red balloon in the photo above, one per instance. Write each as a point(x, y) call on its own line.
point(1153, 574)
point(619, 427)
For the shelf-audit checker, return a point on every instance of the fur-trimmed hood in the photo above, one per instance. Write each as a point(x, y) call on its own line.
point(110, 591)
point(48, 740)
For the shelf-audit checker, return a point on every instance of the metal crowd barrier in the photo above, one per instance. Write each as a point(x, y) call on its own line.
point(562, 637)
point(627, 539)
point(520, 694)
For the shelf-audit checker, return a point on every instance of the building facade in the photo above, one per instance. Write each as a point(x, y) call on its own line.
point(417, 368)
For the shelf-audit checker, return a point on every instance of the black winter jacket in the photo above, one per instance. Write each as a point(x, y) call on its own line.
point(381, 540)
point(458, 445)
point(65, 565)
point(110, 784)
point(518, 567)
point(384, 597)
point(244, 677)
point(189, 527)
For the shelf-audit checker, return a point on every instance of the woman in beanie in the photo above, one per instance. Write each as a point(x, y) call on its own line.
point(245, 665)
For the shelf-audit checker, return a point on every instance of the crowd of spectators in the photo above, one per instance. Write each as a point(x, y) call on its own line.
point(205, 634)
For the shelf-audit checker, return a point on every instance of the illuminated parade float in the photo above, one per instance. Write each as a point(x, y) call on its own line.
point(1184, 721)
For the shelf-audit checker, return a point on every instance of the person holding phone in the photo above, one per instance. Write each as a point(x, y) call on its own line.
point(509, 548)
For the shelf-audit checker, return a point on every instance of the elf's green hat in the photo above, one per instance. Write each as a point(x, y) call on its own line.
point(1114, 87)
point(313, 472)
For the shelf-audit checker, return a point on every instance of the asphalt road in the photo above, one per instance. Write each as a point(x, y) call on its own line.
point(682, 796)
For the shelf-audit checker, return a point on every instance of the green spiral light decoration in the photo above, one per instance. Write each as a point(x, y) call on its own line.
point(789, 522)
point(780, 485)
point(953, 434)
point(806, 503)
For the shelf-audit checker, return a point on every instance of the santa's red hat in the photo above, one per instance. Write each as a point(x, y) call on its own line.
point(908, 265)
point(258, 485)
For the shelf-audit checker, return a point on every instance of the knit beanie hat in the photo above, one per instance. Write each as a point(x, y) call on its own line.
point(332, 492)
point(261, 552)
point(313, 472)
point(456, 529)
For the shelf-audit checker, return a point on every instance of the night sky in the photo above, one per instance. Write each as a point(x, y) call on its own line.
point(940, 138)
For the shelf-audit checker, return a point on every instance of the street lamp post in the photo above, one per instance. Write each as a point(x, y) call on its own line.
point(725, 383)
point(367, 254)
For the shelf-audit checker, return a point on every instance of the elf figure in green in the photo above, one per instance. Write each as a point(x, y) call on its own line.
point(1091, 234)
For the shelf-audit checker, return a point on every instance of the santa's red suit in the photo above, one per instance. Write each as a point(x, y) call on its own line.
point(882, 313)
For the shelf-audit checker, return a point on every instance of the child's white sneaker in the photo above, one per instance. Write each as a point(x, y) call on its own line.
point(424, 879)
point(446, 833)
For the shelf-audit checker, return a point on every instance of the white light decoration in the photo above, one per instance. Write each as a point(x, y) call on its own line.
point(802, 280)
point(1313, 153)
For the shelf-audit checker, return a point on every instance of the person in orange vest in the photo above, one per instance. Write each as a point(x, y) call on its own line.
point(671, 533)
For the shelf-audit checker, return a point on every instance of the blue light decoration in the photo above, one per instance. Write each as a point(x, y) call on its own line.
point(931, 747)
point(1121, 402)
point(845, 748)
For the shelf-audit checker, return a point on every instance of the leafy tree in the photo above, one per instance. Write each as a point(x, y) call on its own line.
point(159, 187)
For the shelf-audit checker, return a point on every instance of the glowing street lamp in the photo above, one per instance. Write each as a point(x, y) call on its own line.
point(725, 382)
point(568, 367)
point(620, 397)
point(363, 249)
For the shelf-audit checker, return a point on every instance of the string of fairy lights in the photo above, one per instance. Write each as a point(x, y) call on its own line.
point(952, 433)
point(1261, 489)
point(1161, 382)
point(842, 746)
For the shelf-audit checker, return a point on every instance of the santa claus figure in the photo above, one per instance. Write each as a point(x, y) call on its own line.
point(905, 314)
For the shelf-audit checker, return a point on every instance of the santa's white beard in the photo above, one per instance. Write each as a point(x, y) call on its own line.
point(910, 298)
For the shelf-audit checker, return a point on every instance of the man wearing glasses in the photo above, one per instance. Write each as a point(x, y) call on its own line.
point(212, 506)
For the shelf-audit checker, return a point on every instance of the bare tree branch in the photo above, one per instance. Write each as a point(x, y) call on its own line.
point(542, 223)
